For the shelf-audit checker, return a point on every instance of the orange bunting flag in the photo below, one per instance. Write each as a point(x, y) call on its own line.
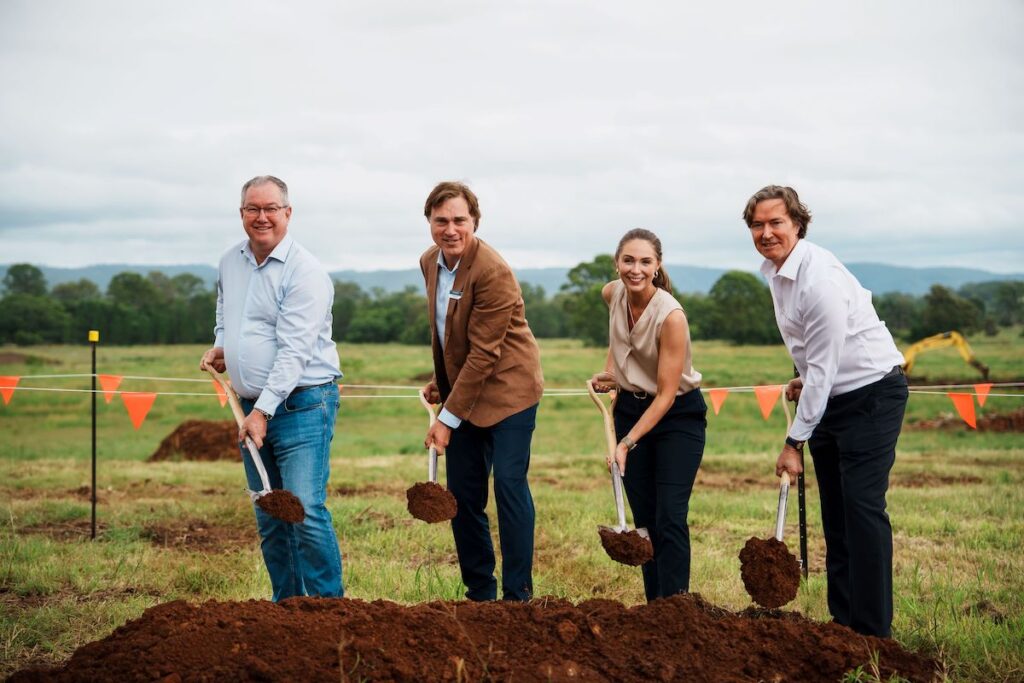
point(138, 404)
point(7, 384)
point(221, 396)
point(718, 397)
point(109, 383)
point(767, 397)
point(964, 404)
point(982, 391)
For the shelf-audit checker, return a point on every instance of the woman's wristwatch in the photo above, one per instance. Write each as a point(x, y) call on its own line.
point(628, 443)
point(794, 444)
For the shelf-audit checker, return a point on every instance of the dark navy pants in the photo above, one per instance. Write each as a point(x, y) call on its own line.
point(659, 478)
point(471, 455)
point(854, 448)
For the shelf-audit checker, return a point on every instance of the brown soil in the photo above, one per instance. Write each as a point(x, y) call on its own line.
point(920, 480)
point(200, 440)
point(770, 573)
point(283, 505)
point(431, 502)
point(316, 639)
point(992, 422)
point(627, 547)
point(65, 531)
point(15, 358)
point(199, 535)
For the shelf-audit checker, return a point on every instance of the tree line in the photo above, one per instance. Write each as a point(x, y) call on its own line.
point(157, 309)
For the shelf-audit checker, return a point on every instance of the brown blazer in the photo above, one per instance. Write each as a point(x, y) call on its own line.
point(490, 367)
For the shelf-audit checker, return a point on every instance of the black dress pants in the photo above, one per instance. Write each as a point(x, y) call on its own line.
point(659, 478)
point(854, 448)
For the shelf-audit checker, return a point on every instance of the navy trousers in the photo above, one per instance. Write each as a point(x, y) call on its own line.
point(854, 448)
point(659, 478)
point(472, 453)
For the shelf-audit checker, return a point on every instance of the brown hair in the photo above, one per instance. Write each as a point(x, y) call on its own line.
point(797, 211)
point(450, 189)
point(661, 278)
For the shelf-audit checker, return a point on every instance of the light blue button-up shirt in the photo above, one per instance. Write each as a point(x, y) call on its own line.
point(445, 282)
point(274, 322)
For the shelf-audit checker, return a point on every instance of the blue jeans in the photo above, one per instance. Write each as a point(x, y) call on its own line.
point(472, 453)
point(302, 559)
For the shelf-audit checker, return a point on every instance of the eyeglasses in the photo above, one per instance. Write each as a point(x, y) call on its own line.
point(270, 211)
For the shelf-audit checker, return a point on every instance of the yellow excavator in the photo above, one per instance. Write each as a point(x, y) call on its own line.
point(938, 341)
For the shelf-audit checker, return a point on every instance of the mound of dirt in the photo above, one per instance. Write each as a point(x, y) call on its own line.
point(431, 502)
point(316, 639)
point(993, 422)
point(627, 547)
point(770, 573)
point(200, 440)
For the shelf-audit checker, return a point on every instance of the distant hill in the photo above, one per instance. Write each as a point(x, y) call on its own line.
point(877, 277)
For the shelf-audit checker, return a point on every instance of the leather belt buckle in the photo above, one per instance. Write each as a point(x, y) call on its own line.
point(640, 395)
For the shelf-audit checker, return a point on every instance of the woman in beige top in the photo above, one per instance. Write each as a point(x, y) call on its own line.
point(660, 415)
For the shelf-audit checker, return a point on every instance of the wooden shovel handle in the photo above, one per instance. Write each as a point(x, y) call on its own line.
point(236, 407)
point(609, 426)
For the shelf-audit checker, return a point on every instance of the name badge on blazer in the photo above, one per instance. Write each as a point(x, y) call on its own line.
point(455, 294)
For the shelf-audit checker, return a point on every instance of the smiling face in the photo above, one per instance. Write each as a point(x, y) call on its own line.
point(637, 263)
point(773, 231)
point(452, 228)
point(265, 230)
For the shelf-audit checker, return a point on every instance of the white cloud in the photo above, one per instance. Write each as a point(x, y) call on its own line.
point(129, 127)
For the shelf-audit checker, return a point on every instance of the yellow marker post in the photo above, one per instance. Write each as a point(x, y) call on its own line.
point(94, 340)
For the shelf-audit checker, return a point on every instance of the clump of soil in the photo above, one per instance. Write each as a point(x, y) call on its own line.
point(992, 422)
point(283, 505)
point(431, 502)
point(681, 638)
point(770, 573)
point(627, 547)
point(204, 440)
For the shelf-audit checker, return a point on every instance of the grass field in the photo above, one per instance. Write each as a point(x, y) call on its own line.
point(184, 530)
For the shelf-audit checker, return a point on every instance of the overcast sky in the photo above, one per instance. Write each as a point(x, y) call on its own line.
point(128, 127)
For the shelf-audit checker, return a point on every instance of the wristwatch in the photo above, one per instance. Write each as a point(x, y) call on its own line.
point(628, 443)
point(267, 416)
point(793, 443)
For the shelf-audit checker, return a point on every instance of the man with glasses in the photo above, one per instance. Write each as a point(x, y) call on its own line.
point(273, 335)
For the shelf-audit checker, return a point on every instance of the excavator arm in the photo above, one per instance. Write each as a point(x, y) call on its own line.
point(941, 340)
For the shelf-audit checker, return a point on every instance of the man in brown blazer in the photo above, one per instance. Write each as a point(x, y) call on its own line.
point(487, 376)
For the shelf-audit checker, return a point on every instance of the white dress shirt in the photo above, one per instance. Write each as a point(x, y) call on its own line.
point(830, 328)
point(274, 322)
point(445, 282)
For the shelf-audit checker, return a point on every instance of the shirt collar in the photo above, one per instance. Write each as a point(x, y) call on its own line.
point(790, 267)
point(440, 262)
point(280, 252)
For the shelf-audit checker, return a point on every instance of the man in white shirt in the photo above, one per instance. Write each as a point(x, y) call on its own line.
point(273, 335)
point(852, 398)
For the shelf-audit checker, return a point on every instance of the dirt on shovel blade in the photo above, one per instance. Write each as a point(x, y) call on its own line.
point(771, 574)
point(431, 502)
point(682, 638)
point(627, 547)
point(283, 505)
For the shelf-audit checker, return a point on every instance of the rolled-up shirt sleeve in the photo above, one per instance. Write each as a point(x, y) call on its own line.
point(824, 320)
point(306, 303)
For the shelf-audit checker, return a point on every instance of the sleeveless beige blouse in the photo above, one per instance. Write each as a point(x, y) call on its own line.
point(635, 353)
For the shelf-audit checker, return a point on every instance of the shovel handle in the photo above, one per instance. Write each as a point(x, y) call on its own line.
point(432, 454)
point(609, 434)
point(780, 516)
point(236, 409)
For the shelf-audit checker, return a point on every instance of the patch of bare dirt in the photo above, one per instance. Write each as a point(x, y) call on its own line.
point(682, 638)
point(990, 422)
point(203, 440)
point(65, 531)
point(15, 358)
point(199, 535)
point(920, 480)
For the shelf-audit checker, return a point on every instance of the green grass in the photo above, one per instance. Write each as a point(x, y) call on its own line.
point(184, 530)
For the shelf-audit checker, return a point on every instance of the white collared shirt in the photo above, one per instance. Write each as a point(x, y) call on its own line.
point(274, 322)
point(445, 282)
point(830, 328)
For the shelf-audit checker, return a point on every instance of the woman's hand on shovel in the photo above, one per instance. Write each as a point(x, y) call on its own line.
point(621, 453)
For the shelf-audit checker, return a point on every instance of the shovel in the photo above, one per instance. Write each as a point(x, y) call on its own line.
point(281, 504)
point(621, 544)
point(428, 500)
